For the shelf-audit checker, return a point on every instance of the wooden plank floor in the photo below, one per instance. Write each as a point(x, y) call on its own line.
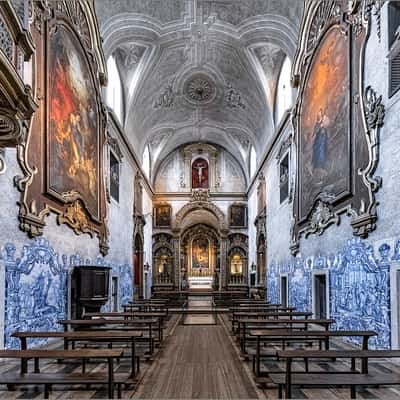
point(198, 362)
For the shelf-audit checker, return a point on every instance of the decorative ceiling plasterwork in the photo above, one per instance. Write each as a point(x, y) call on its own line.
point(199, 89)
point(209, 38)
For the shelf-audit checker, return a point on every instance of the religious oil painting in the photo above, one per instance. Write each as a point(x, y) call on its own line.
point(200, 253)
point(73, 125)
point(324, 137)
point(238, 216)
point(162, 216)
point(200, 174)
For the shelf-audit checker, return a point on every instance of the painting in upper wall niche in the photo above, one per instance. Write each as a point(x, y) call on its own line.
point(324, 124)
point(238, 216)
point(200, 174)
point(162, 216)
point(73, 143)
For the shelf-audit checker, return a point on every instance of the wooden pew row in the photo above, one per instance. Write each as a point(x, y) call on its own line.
point(127, 337)
point(270, 335)
point(101, 324)
point(247, 324)
point(49, 379)
point(316, 379)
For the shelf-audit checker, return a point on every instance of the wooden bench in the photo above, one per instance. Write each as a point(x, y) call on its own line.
point(245, 324)
point(144, 324)
point(109, 337)
point(134, 315)
point(278, 335)
point(49, 379)
point(352, 379)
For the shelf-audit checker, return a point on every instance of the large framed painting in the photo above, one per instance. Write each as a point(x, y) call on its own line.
point(72, 139)
point(336, 120)
point(63, 163)
point(324, 131)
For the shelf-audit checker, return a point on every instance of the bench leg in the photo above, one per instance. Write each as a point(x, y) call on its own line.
point(46, 391)
point(37, 368)
point(119, 390)
point(353, 391)
point(280, 392)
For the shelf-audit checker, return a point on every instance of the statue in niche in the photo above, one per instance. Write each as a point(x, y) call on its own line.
point(200, 174)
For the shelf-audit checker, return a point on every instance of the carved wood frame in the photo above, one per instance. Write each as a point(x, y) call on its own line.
point(366, 117)
point(36, 201)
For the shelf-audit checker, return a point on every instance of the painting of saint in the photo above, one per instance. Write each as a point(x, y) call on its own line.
point(324, 128)
point(238, 216)
point(163, 216)
point(200, 253)
point(73, 142)
point(200, 174)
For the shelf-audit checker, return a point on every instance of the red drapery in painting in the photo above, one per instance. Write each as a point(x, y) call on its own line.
point(200, 174)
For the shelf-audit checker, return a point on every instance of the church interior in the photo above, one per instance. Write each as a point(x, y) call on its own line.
point(198, 199)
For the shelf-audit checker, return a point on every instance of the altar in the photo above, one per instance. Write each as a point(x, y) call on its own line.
point(205, 282)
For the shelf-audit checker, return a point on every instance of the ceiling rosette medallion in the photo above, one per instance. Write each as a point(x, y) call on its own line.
point(199, 89)
point(333, 104)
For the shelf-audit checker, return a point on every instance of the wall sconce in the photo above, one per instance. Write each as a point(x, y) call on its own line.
point(146, 267)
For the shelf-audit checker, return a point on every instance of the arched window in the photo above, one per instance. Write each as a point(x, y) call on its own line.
point(284, 90)
point(146, 161)
point(253, 161)
point(114, 88)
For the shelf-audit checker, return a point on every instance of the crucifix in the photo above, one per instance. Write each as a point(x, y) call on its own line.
point(200, 172)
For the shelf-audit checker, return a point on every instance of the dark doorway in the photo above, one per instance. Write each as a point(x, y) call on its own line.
point(320, 296)
point(284, 291)
point(138, 267)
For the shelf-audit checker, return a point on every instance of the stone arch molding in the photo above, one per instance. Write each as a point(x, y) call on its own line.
point(200, 205)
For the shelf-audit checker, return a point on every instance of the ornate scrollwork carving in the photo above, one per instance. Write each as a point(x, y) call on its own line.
point(321, 217)
point(76, 217)
point(2, 161)
point(166, 98)
point(114, 145)
point(6, 42)
point(364, 220)
point(233, 98)
point(200, 195)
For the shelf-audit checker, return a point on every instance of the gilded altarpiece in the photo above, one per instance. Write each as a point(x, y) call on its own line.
point(336, 121)
point(63, 159)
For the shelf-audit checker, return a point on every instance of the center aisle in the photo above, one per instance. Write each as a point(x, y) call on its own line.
point(197, 362)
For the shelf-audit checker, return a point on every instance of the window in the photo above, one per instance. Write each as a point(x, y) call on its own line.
point(394, 47)
point(114, 88)
point(284, 178)
point(146, 161)
point(284, 90)
point(253, 161)
point(114, 177)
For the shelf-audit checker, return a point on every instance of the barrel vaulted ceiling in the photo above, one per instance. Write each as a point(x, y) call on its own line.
point(199, 70)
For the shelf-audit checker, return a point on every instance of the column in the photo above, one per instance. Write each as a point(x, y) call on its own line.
point(177, 259)
point(223, 255)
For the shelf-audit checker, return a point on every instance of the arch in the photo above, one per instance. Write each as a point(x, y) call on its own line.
point(200, 205)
